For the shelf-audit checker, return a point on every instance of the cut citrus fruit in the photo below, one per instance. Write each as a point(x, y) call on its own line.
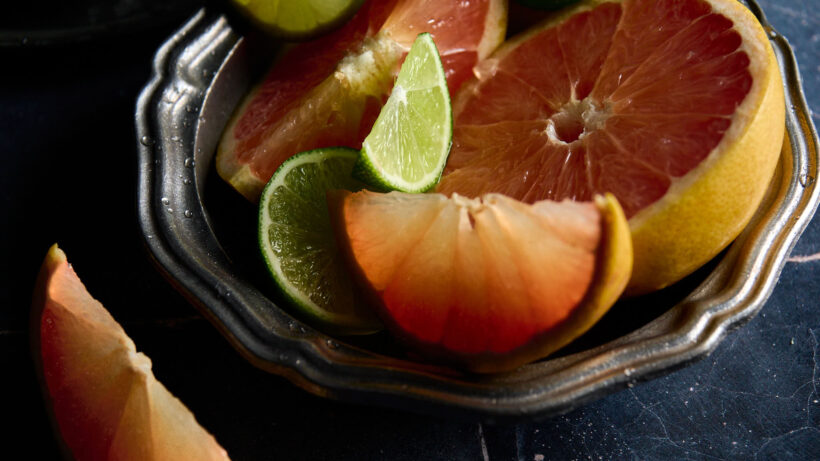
point(676, 107)
point(101, 394)
point(297, 241)
point(407, 148)
point(486, 284)
point(328, 92)
point(297, 18)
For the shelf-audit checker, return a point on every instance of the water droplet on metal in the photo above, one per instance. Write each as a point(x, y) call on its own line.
point(188, 213)
point(165, 201)
point(189, 162)
point(332, 344)
point(186, 181)
point(806, 180)
point(146, 141)
point(770, 32)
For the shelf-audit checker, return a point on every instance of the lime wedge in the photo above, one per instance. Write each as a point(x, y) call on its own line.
point(297, 242)
point(408, 145)
point(299, 19)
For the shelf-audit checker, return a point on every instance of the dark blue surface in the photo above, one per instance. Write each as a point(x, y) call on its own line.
point(66, 125)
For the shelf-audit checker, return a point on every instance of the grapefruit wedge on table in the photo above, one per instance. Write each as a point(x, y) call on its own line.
point(484, 284)
point(100, 392)
point(328, 92)
point(674, 106)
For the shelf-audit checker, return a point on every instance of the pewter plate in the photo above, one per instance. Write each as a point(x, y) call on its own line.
point(202, 237)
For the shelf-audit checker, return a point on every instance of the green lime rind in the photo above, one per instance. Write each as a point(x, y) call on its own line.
point(297, 19)
point(298, 245)
point(407, 147)
point(547, 5)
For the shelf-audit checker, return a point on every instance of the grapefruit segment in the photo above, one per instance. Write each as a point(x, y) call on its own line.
point(101, 393)
point(649, 100)
point(486, 284)
point(328, 92)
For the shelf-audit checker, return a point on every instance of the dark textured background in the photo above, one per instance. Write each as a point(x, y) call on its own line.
point(67, 136)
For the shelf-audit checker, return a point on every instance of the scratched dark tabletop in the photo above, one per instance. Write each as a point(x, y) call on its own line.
point(69, 176)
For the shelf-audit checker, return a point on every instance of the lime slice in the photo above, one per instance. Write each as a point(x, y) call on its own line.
point(408, 145)
point(298, 245)
point(297, 18)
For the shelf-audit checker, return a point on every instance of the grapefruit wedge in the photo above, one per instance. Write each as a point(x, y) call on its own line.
point(484, 284)
point(328, 92)
point(674, 106)
point(102, 396)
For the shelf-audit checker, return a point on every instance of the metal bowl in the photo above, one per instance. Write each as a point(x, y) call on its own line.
point(202, 236)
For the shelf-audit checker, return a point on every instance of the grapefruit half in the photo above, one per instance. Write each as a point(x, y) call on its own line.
point(101, 393)
point(328, 92)
point(485, 284)
point(674, 106)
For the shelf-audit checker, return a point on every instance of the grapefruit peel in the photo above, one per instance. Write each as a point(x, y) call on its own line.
point(101, 394)
point(703, 212)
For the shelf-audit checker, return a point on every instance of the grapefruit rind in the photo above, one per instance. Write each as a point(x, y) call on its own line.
point(706, 210)
point(101, 395)
point(414, 130)
point(341, 312)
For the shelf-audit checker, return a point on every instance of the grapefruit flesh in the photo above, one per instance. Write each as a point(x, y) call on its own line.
point(328, 92)
point(485, 284)
point(675, 107)
point(101, 393)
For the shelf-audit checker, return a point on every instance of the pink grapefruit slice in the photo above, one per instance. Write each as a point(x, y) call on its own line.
point(102, 396)
point(674, 106)
point(485, 284)
point(328, 92)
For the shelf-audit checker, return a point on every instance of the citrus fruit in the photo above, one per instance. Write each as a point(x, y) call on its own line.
point(485, 284)
point(674, 106)
point(407, 148)
point(297, 18)
point(297, 241)
point(328, 92)
point(101, 394)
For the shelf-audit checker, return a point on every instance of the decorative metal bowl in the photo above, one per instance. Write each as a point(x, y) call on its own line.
point(202, 236)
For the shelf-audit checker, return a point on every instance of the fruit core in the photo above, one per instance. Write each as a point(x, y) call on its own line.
point(575, 120)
